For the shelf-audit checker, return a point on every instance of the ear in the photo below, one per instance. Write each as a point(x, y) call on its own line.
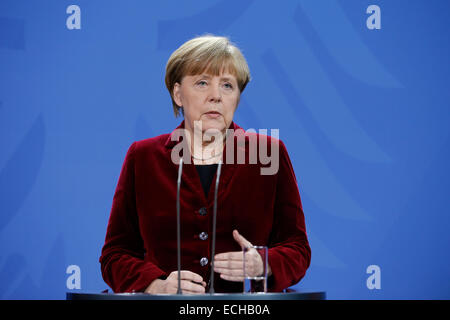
point(176, 94)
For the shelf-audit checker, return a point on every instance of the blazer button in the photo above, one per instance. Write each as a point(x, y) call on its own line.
point(203, 236)
point(203, 261)
point(202, 211)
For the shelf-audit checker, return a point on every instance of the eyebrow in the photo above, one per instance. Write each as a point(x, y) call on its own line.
point(226, 79)
point(209, 77)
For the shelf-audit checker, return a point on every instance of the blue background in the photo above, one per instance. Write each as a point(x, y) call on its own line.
point(364, 115)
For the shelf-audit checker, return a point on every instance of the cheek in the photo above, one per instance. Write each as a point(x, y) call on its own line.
point(231, 106)
point(192, 105)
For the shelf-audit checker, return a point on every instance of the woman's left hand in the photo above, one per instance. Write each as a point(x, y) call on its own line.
point(230, 265)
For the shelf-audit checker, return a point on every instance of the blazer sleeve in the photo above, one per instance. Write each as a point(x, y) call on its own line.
point(289, 250)
point(122, 259)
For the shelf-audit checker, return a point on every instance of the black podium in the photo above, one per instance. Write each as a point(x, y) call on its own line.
point(203, 297)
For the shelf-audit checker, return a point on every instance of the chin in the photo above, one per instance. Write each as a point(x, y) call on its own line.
point(213, 125)
point(213, 129)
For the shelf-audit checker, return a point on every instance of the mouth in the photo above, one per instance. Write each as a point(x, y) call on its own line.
point(213, 114)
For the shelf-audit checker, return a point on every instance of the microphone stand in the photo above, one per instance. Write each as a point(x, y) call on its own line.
point(213, 251)
point(180, 170)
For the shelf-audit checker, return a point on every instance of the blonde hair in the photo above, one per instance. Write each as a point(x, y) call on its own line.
point(210, 54)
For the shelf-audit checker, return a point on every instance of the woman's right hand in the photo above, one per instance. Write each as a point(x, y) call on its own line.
point(191, 283)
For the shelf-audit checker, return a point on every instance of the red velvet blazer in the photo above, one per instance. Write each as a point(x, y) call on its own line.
point(141, 238)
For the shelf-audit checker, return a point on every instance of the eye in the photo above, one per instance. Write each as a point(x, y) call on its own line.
point(202, 83)
point(228, 85)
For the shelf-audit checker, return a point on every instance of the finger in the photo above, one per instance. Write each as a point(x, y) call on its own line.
point(189, 286)
point(174, 290)
point(244, 243)
point(203, 283)
point(229, 264)
point(230, 272)
point(232, 278)
point(234, 255)
point(189, 275)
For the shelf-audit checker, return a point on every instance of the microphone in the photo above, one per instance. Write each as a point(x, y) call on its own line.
point(213, 250)
point(180, 170)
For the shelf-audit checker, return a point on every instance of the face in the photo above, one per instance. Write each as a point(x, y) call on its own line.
point(209, 99)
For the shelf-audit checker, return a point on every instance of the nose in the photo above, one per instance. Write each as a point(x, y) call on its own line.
point(215, 95)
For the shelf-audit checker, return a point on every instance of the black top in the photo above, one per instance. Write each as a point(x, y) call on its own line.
point(206, 173)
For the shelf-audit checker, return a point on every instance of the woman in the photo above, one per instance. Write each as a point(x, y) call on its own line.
point(205, 78)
